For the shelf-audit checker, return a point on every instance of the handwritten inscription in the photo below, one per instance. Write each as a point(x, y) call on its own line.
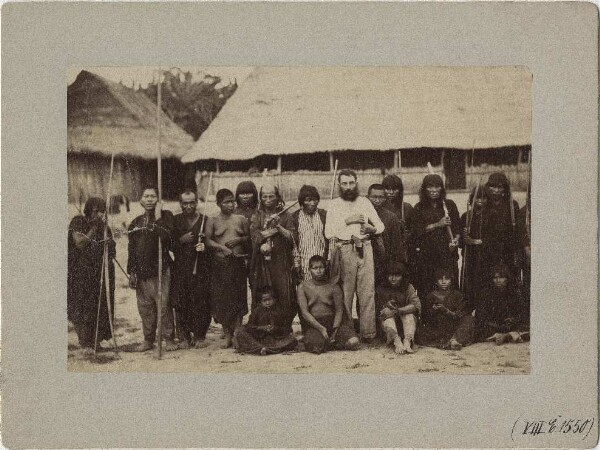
point(556, 425)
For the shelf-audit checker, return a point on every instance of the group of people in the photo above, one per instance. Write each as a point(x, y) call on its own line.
point(396, 264)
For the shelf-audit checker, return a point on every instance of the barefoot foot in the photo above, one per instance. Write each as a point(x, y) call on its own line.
point(170, 345)
point(455, 345)
point(263, 351)
point(398, 346)
point(201, 343)
point(184, 345)
point(228, 342)
point(144, 346)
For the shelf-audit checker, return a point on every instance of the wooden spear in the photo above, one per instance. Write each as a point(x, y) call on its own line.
point(104, 274)
point(203, 221)
point(333, 180)
point(160, 255)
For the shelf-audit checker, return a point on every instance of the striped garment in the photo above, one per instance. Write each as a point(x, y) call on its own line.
point(310, 240)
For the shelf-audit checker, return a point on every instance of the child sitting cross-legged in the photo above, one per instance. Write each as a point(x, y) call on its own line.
point(443, 310)
point(267, 330)
point(398, 306)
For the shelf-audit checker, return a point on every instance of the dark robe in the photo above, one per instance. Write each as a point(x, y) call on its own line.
point(500, 238)
point(229, 301)
point(476, 270)
point(245, 211)
point(253, 336)
point(190, 294)
point(83, 284)
point(143, 245)
point(391, 245)
point(431, 248)
point(496, 311)
point(276, 273)
point(437, 327)
point(524, 240)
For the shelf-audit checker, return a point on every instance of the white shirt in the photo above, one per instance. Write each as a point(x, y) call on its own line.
point(339, 210)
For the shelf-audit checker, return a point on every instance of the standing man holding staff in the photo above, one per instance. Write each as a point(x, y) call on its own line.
point(349, 232)
point(142, 267)
point(190, 292)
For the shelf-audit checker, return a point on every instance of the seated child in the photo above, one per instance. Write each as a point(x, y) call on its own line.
point(443, 309)
point(397, 299)
point(267, 330)
point(498, 313)
point(321, 304)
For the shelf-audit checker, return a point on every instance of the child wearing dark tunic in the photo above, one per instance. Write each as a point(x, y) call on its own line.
point(326, 321)
point(398, 306)
point(267, 331)
point(443, 309)
point(498, 313)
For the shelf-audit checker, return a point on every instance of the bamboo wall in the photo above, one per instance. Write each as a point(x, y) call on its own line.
point(290, 182)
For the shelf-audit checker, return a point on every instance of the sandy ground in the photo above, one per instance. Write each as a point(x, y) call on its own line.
point(483, 358)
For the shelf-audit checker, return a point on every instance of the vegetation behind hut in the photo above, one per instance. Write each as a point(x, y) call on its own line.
point(191, 104)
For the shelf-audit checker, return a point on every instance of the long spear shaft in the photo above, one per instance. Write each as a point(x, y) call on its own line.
point(333, 181)
point(159, 162)
point(203, 221)
point(106, 258)
point(104, 279)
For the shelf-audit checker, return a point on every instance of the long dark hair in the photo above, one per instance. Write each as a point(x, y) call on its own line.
point(247, 187)
point(431, 180)
point(93, 203)
point(395, 182)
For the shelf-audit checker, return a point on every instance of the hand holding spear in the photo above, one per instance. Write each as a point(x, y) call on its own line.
point(201, 234)
point(446, 214)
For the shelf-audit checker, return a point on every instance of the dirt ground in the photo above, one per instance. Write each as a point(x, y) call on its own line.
point(483, 358)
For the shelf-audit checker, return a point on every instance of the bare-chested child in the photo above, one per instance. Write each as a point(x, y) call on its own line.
point(226, 235)
point(321, 304)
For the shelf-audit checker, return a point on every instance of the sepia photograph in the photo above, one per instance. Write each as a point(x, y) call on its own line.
point(299, 225)
point(299, 219)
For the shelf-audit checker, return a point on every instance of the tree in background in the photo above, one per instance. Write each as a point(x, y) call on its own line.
point(191, 103)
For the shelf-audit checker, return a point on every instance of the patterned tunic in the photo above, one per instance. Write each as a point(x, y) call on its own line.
point(311, 240)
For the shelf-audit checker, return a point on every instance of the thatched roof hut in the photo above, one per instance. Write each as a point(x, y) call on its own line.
point(102, 117)
point(282, 111)
point(374, 119)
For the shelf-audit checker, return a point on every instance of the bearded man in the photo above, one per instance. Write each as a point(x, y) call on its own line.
point(351, 221)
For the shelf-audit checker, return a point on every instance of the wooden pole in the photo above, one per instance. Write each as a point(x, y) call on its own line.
point(279, 164)
point(106, 258)
point(159, 167)
point(201, 234)
point(331, 169)
point(217, 166)
point(396, 161)
point(333, 181)
point(443, 169)
point(104, 278)
point(519, 157)
point(399, 160)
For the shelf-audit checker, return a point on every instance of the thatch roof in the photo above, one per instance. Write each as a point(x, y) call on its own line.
point(103, 116)
point(281, 111)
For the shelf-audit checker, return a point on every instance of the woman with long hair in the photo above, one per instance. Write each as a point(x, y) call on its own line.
point(84, 288)
point(435, 233)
